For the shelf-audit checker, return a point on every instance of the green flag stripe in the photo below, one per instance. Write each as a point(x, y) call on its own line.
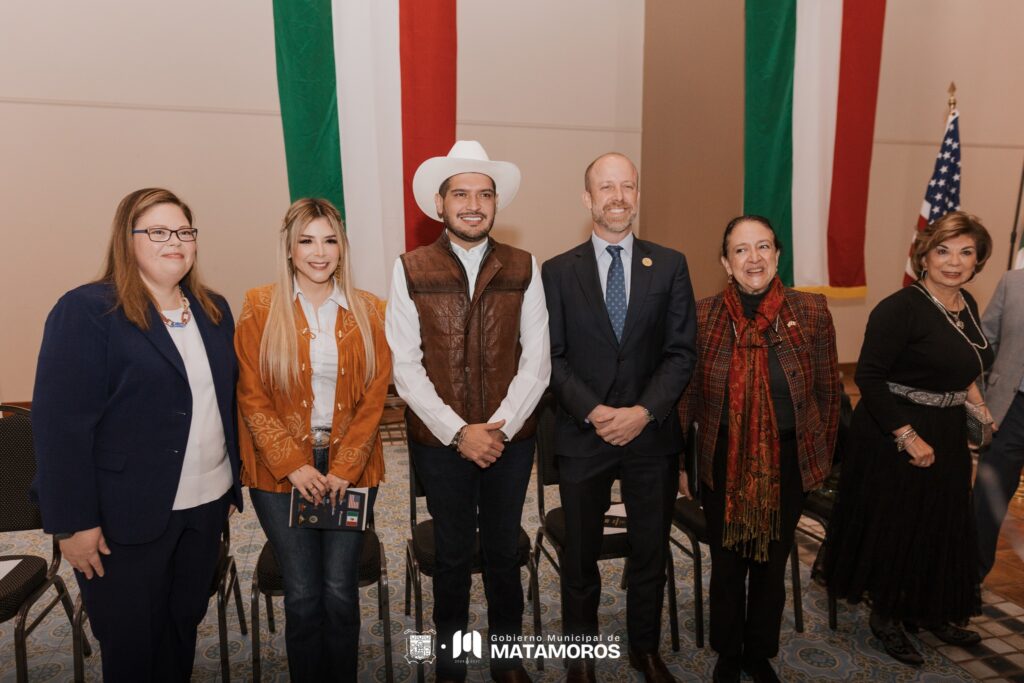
point(768, 119)
point(307, 88)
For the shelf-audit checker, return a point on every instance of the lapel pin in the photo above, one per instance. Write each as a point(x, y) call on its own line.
point(647, 261)
point(791, 323)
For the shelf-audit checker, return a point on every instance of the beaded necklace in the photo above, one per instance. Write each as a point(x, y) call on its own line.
point(958, 325)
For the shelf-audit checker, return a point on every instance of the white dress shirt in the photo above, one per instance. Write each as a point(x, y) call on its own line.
point(205, 471)
point(402, 325)
point(604, 260)
point(323, 352)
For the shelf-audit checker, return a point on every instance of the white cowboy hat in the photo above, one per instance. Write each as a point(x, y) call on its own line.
point(465, 156)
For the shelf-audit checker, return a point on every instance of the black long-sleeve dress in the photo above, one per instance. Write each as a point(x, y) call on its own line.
point(903, 535)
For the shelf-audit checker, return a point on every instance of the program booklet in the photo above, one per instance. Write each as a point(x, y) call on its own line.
point(349, 514)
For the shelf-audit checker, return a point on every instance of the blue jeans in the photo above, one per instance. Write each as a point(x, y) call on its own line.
point(320, 569)
point(462, 498)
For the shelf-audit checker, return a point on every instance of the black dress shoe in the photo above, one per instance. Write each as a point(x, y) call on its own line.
point(727, 670)
point(652, 667)
point(947, 633)
point(896, 643)
point(760, 670)
point(517, 675)
point(581, 671)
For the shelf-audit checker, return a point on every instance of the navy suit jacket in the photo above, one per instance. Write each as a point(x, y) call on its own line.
point(111, 414)
point(652, 364)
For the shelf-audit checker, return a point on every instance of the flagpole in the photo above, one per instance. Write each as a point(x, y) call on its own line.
point(1016, 222)
point(952, 96)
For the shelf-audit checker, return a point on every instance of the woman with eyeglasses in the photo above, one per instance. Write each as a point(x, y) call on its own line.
point(314, 372)
point(134, 422)
point(765, 397)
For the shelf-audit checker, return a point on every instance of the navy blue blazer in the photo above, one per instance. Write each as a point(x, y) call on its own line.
point(111, 413)
point(652, 364)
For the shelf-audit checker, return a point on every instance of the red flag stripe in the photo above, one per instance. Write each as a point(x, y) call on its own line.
point(859, 64)
point(427, 43)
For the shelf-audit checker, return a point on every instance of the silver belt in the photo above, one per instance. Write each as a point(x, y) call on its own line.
point(320, 436)
point(935, 399)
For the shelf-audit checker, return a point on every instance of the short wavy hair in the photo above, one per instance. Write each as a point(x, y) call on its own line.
point(952, 225)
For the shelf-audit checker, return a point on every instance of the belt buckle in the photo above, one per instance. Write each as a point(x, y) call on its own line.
point(320, 438)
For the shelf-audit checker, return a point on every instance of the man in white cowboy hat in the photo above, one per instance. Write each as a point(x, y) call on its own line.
point(468, 328)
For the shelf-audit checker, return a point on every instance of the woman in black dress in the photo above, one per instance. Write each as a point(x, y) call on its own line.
point(902, 533)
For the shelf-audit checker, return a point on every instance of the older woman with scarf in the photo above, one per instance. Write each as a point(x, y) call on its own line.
point(765, 399)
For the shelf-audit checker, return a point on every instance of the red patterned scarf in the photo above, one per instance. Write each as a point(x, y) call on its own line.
point(752, 471)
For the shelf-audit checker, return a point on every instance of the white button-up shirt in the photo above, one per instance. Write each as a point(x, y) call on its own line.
point(323, 352)
point(402, 325)
point(604, 260)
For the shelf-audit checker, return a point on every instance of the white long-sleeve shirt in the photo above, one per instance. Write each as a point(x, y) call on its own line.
point(402, 326)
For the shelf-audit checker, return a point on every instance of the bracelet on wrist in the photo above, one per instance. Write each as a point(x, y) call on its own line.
point(457, 439)
point(907, 437)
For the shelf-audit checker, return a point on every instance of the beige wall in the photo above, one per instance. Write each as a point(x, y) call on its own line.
point(100, 98)
point(693, 106)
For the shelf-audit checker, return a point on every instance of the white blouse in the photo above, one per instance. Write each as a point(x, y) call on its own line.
point(323, 352)
point(206, 471)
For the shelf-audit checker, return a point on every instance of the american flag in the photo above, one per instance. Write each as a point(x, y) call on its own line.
point(943, 192)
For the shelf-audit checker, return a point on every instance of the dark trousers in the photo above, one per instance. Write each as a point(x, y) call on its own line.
point(461, 498)
point(648, 484)
point(145, 609)
point(747, 597)
point(998, 477)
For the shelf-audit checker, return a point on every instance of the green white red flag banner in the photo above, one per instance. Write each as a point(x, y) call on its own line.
point(811, 87)
point(367, 92)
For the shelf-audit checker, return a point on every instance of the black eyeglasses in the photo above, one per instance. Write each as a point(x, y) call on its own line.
point(162, 234)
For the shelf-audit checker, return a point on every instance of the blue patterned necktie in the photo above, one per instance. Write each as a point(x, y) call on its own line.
point(615, 291)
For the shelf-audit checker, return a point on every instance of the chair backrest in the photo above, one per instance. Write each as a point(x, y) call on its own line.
point(415, 488)
point(17, 469)
point(690, 460)
point(547, 463)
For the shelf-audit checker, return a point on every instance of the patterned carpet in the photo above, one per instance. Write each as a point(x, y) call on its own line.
point(818, 654)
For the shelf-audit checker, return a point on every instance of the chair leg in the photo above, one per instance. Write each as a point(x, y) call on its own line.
point(418, 589)
point(698, 593)
point(222, 633)
point(833, 618)
point(20, 646)
point(270, 614)
point(79, 641)
point(624, 583)
point(239, 607)
point(535, 593)
point(673, 616)
point(255, 616)
point(798, 606)
point(385, 617)
point(408, 583)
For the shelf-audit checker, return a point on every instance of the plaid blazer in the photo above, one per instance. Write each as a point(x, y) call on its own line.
point(807, 353)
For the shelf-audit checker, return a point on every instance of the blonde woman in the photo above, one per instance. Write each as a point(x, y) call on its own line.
point(314, 369)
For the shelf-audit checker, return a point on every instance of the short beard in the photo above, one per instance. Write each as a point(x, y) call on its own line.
point(484, 227)
point(598, 216)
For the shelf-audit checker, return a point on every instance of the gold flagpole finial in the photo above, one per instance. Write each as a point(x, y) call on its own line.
point(952, 96)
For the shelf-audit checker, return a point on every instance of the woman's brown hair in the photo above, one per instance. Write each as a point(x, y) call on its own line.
point(122, 270)
point(952, 225)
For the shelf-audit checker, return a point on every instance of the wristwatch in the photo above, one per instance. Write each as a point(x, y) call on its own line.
point(63, 536)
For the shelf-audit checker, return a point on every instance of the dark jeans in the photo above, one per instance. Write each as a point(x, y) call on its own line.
point(648, 484)
point(747, 597)
point(320, 569)
point(146, 607)
point(461, 498)
point(998, 477)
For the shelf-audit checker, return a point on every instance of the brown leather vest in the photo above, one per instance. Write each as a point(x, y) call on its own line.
point(470, 346)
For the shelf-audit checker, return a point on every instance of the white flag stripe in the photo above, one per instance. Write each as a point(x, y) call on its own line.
point(819, 26)
point(368, 71)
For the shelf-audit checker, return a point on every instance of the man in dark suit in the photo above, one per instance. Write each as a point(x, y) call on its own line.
point(623, 331)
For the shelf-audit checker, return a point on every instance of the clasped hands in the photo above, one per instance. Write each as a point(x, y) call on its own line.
point(618, 426)
point(482, 444)
point(314, 486)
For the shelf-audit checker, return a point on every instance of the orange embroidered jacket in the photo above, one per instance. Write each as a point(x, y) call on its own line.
point(274, 440)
